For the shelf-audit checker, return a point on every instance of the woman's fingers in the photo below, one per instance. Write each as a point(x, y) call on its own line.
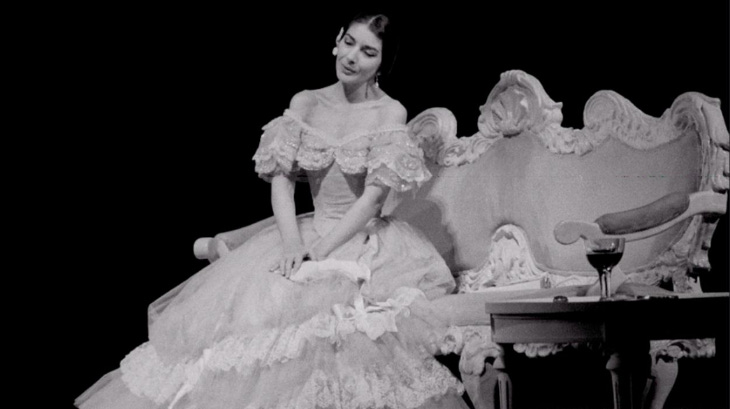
point(297, 263)
point(280, 267)
point(291, 263)
point(288, 265)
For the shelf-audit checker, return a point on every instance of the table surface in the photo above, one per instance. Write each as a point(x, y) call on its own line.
point(591, 304)
point(587, 319)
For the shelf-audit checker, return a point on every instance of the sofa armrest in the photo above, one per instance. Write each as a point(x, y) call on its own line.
point(212, 248)
point(644, 221)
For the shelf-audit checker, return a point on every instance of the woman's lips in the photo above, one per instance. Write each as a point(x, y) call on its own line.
point(348, 71)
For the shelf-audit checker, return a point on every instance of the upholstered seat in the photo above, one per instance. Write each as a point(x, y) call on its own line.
point(507, 206)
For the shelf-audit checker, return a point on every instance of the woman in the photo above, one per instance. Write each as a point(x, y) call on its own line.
point(328, 310)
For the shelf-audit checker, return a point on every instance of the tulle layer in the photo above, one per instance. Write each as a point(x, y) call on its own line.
point(147, 375)
point(404, 381)
point(314, 365)
point(238, 336)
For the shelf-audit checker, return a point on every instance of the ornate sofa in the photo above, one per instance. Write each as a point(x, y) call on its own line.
point(506, 208)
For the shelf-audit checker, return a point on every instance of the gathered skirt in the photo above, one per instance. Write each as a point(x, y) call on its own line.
point(353, 331)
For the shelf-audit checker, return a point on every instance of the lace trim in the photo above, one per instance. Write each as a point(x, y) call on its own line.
point(407, 384)
point(146, 375)
point(389, 155)
point(278, 148)
point(386, 176)
point(315, 154)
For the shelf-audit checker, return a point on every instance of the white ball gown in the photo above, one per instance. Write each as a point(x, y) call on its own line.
point(353, 331)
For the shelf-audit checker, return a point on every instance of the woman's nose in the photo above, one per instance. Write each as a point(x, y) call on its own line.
point(351, 56)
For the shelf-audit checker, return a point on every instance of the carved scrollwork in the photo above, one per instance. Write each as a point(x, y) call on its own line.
point(474, 345)
point(516, 104)
point(435, 130)
point(609, 114)
point(509, 262)
point(683, 348)
point(696, 113)
point(536, 350)
point(673, 264)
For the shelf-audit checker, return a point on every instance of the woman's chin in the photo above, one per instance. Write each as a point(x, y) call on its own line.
point(350, 80)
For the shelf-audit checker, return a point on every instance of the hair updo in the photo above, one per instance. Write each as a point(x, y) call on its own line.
point(382, 27)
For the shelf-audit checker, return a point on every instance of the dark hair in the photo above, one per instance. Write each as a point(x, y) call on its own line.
point(382, 26)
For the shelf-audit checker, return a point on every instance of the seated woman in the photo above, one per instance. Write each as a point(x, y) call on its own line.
point(329, 310)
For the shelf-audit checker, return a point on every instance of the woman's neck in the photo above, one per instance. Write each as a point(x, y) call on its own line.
point(357, 93)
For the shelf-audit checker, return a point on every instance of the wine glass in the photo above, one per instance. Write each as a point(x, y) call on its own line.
point(604, 254)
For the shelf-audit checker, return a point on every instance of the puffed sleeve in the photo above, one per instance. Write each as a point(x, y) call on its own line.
point(277, 151)
point(396, 161)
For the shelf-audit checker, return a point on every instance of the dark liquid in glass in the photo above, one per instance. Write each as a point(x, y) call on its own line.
point(601, 261)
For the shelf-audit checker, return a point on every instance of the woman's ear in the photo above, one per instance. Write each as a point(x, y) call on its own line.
point(337, 40)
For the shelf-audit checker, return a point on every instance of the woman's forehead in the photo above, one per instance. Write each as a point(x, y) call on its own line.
point(361, 32)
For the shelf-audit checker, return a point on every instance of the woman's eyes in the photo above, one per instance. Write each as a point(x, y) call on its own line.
point(350, 42)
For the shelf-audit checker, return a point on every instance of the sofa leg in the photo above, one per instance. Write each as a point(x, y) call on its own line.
point(481, 388)
point(504, 382)
point(663, 375)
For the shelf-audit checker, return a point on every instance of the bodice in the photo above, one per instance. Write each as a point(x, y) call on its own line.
point(333, 193)
point(339, 169)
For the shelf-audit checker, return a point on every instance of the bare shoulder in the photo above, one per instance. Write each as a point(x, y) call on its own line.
point(303, 102)
point(393, 113)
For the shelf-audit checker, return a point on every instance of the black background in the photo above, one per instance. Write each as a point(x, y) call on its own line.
point(162, 109)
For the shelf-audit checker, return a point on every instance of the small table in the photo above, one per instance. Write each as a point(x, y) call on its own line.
point(624, 327)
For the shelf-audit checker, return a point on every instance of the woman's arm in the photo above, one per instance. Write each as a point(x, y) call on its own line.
point(282, 202)
point(361, 212)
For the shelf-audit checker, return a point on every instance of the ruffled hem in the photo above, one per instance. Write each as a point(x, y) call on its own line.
point(405, 381)
point(374, 389)
point(388, 155)
point(146, 375)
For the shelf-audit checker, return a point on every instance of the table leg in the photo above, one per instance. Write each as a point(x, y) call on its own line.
point(628, 365)
point(503, 380)
point(620, 381)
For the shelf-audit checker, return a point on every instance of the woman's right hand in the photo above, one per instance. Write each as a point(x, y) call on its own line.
point(291, 259)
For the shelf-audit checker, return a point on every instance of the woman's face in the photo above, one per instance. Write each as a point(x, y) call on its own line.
point(359, 53)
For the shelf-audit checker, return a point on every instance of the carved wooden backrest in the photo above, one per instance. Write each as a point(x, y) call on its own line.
point(496, 196)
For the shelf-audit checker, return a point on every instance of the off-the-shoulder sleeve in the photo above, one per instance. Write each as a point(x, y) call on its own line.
point(396, 161)
point(277, 151)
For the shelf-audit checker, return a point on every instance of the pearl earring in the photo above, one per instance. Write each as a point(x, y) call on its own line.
point(337, 40)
